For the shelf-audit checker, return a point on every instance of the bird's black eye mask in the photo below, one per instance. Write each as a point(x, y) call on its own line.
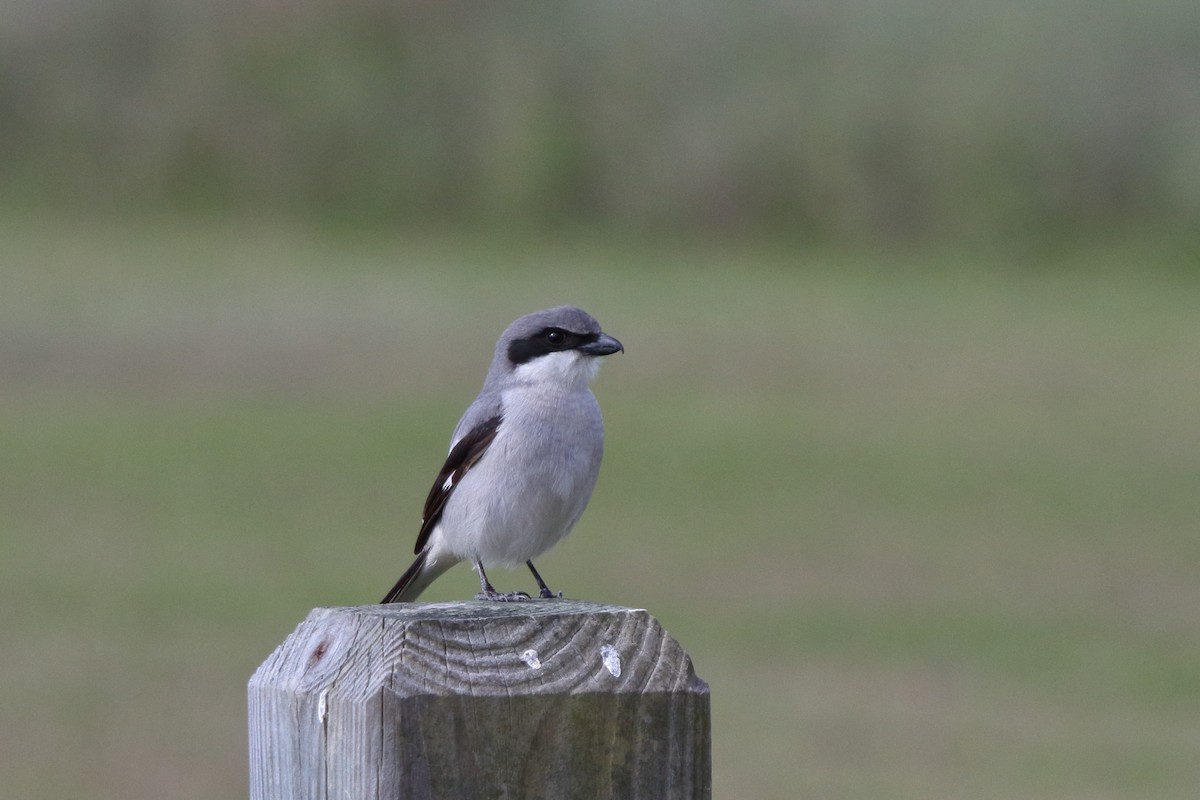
point(545, 341)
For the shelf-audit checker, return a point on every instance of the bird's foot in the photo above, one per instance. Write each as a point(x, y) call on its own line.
point(546, 594)
point(502, 597)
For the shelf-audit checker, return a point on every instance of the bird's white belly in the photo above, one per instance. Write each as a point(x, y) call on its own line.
point(524, 495)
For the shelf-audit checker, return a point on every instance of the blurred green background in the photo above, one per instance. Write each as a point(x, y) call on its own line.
point(904, 448)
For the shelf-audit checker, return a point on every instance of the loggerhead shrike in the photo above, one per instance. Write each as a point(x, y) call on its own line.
point(523, 459)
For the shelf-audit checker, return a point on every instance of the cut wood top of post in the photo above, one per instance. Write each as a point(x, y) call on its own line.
point(479, 649)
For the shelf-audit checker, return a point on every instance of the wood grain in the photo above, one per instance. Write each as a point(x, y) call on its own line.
point(553, 699)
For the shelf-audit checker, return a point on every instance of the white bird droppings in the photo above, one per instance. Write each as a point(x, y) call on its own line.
point(612, 661)
point(322, 707)
point(530, 657)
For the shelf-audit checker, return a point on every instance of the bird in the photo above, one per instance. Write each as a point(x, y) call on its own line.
point(523, 458)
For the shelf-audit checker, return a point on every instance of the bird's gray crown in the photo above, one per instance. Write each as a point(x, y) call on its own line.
point(547, 331)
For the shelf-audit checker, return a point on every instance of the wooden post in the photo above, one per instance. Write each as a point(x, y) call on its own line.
point(542, 699)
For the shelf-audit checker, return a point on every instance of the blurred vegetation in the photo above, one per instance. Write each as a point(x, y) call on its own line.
point(845, 120)
point(929, 532)
point(921, 504)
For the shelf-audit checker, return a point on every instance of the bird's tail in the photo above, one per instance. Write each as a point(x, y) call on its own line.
point(416, 578)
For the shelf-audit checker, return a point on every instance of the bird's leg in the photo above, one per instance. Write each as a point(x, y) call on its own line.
point(544, 592)
point(485, 586)
point(487, 592)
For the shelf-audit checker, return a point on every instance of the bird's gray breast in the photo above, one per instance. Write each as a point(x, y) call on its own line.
point(557, 440)
point(533, 483)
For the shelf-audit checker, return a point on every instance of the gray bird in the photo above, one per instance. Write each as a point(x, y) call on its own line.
point(523, 459)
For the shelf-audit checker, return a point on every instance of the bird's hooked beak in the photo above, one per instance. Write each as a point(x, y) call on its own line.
point(605, 345)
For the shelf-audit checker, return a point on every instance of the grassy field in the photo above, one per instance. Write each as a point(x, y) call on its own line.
point(928, 526)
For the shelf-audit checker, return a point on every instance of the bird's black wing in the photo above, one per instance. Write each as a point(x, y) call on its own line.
point(465, 454)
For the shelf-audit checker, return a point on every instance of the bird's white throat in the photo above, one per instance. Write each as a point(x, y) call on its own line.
point(569, 370)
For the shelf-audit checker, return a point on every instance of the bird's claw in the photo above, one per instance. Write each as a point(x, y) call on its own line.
point(502, 597)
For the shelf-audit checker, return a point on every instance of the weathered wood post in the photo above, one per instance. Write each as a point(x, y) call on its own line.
point(551, 699)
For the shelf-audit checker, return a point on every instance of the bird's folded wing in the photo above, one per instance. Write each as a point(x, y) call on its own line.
point(465, 454)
